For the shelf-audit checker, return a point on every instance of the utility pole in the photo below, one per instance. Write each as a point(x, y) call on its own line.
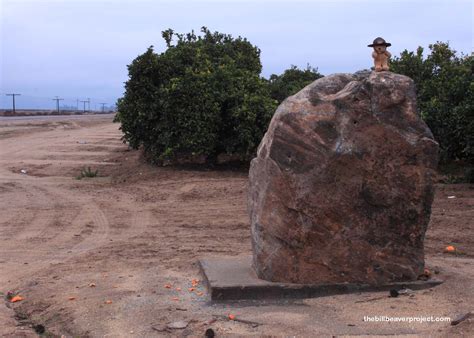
point(88, 104)
point(13, 95)
point(103, 106)
point(77, 104)
point(84, 102)
point(57, 99)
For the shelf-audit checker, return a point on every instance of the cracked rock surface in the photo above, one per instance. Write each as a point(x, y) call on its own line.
point(342, 185)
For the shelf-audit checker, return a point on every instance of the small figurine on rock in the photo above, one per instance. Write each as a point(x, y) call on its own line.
point(380, 54)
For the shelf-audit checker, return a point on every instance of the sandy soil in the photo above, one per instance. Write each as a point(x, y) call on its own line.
point(113, 242)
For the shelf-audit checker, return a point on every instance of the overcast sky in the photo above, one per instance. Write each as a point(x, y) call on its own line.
point(80, 49)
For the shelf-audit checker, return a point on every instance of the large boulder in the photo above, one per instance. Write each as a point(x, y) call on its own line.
point(342, 185)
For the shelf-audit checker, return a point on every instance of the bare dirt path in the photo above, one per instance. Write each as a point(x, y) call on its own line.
point(124, 235)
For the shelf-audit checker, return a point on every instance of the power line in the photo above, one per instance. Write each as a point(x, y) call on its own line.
point(103, 106)
point(57, 99)
point(13, 95)
point(84, 102)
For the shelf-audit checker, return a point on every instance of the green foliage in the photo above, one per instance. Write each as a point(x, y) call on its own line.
point(87, 173)
point(445, 89)
point(202, 96)
point(291, 81)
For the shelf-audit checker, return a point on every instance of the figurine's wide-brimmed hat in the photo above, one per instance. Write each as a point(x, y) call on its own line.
point(380, 42)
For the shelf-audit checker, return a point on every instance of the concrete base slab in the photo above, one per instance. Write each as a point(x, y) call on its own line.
point(233, 278)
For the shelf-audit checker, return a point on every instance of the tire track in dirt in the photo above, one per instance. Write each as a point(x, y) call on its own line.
point(141, 222)
point(83, 226)
point(49, 206)
point(94, 233)
point(88, 230)
point(44, 202)
point(45, 214)
point(41, 216)
point(38, 228)
point(16, 201)
point(16, 223)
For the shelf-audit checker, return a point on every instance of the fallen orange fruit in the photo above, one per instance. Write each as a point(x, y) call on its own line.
point(191, 289)
point(168, 286)
point(16, 299)
point(231, 317)
point(450, 248)
point(72, 298)
point(108, 302)
point(91, 285)
point(178, 289)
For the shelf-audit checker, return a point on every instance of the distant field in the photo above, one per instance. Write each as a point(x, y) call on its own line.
point(34, 112)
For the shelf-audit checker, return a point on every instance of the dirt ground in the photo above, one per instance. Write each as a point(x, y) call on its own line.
point(92, 257)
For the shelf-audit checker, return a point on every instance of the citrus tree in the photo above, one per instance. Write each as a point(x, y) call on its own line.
point(291, 81)
point(445, 90)
point(203, 96)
